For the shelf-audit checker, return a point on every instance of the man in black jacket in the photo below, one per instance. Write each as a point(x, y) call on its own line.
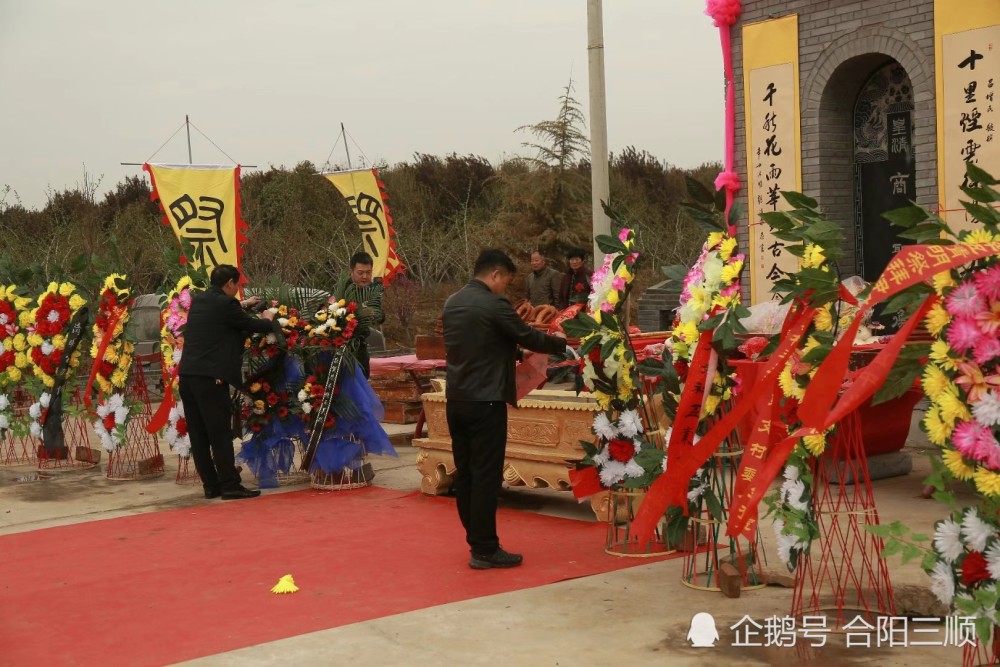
point(214, 337)
point(481, 335)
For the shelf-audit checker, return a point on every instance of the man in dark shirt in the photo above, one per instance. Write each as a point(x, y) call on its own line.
point(214, 337)
point(359, 287)
point(481, 335)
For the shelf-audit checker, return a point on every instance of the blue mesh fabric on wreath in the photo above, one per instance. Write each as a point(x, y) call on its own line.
point(266, 456)
point(358, 413)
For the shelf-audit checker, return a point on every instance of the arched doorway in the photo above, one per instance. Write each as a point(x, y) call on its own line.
point(884, 170)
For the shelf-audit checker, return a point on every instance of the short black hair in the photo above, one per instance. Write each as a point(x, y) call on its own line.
point(223, 273)
point(491, 259)
point(361, 258)
point(576, 252)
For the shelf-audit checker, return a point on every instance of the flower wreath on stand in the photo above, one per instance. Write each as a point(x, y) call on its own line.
point(623, 456)
point(175, 314)
point(961, 379)
point(709, 301)
point(352, 427)
point(112, 353)
point(13, 350)
point(46, 327)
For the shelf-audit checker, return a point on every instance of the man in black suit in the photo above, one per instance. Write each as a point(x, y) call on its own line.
point(214, 337)
point(481, 335)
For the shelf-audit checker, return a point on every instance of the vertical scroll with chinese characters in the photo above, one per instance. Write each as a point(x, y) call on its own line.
point(967, 54)
point(201, 203)
point(774, 164)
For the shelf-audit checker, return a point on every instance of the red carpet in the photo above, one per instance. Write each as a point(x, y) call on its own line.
point(168, 586)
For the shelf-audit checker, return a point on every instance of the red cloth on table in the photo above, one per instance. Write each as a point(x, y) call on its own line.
point(405, 362)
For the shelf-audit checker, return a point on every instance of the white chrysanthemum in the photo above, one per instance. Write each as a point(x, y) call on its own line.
point(601, 457)
point(115, 401)
point(943, 583)
point(306, 408)
point(612, 473)
point(3, 348)
point(35, 411)
point(121, 414)
point(630, 423)
point(36, 430)
point(176, 356)
point(103, 410)
point(4, 423)
point(271, 338)
point(976, 531)
point(697, 492)
point(4, 319)
point(791, 472)
point(302, 396)
point(603, 427)
point(47, 348)
point(174, 415)
point(340, 312)
point(633, 469)
point(283, 321)
point(713, 272)
point(45, 399)
point(987, 410)
point(183, 447)
point(947, 540)
point(993, 560)
point(793, 491)
point(106, 442)
point(180, 408)
point(4, 402)
point(785, 543)
point(170, 435)
point(53, 316)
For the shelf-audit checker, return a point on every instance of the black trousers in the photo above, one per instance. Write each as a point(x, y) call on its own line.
point(478, 439)
point(364, 358)
point(208, 412)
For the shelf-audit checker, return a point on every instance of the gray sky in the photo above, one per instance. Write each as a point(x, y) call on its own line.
point(103, 82)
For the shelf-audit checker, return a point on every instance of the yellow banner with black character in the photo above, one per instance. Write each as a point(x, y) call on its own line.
point(201, 203)
point(367, 197)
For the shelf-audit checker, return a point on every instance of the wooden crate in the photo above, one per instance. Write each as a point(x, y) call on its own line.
point(430, 347)
point(402, 412)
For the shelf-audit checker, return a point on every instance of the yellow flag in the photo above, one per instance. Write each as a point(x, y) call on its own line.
point(202, 205)
point(366, 196)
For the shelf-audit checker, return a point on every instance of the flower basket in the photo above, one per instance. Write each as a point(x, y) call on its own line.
point(622, 507)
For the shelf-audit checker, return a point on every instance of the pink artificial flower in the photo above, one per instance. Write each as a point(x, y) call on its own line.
point(739, 256)
point(987, 349)
point(963, 334)
point(973, 381)
point(988, 282)
point(185, 298)
point(965, 300)
point(965, 436)
point(989, 319)
point(618, 283)
point(623, 234)
point(607, 308)
point(730, 290)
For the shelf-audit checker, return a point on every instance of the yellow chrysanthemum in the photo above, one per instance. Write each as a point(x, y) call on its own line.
point(103, 384)
point(731, 272)
point(20, 342)
point(937, 319)
point(25, 317)
point(118, 377)
point(35, 340)
point(811, 344)
point(935, 382)
point(110, 354)
point(48, 380)
point(255, 387)
point(956, 465)
point(14, 373)
point(788, 384)
point(813, 256)
point(124, 362)
point(66, 289)
point(714, 239)
point(59, 340)
point(53, 287)
point(937, 431)
point(952, 408)
point(942, 281)
point(689, 331)
point(816, 444)
point(259, 404)
point(988, 482)
point(725, 301)
point(941, 355)
point(283, 311)
point(979, 235)
point(711, 405)
point(727, 248)
point(21, 360)
point(823, 319)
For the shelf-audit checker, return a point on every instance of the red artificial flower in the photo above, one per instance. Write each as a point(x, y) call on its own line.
point(182, 427)
point(621, 450)
point(106, 369)
point(6, 359)
point(974, 569)
point(330, 421)
point(351, 307)
point(316, 390)
point(595, 355)
point(109, 422)
point(282, 412)
point(681, 367)
point(578, 287)
point(272, 399)
point(264, 386)
point(256, 427)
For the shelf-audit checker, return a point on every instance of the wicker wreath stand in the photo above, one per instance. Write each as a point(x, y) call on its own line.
point(139, 457)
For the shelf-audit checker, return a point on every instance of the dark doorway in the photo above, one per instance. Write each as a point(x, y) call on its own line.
point(884, 171)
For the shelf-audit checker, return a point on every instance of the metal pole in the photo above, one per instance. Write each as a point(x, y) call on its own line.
point(343, 135)
point(600, 184)
point(187, 124)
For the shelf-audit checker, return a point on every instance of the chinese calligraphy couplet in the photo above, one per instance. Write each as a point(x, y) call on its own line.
point(967, 50)
point(770, 69)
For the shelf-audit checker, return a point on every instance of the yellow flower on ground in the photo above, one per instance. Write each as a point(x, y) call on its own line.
point(956, 465)
point(815, 444)
point(987, 482)
point(727, 248)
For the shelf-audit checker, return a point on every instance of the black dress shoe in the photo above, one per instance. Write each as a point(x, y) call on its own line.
point(212, 493)
point(498, 558)
point(237, 494)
